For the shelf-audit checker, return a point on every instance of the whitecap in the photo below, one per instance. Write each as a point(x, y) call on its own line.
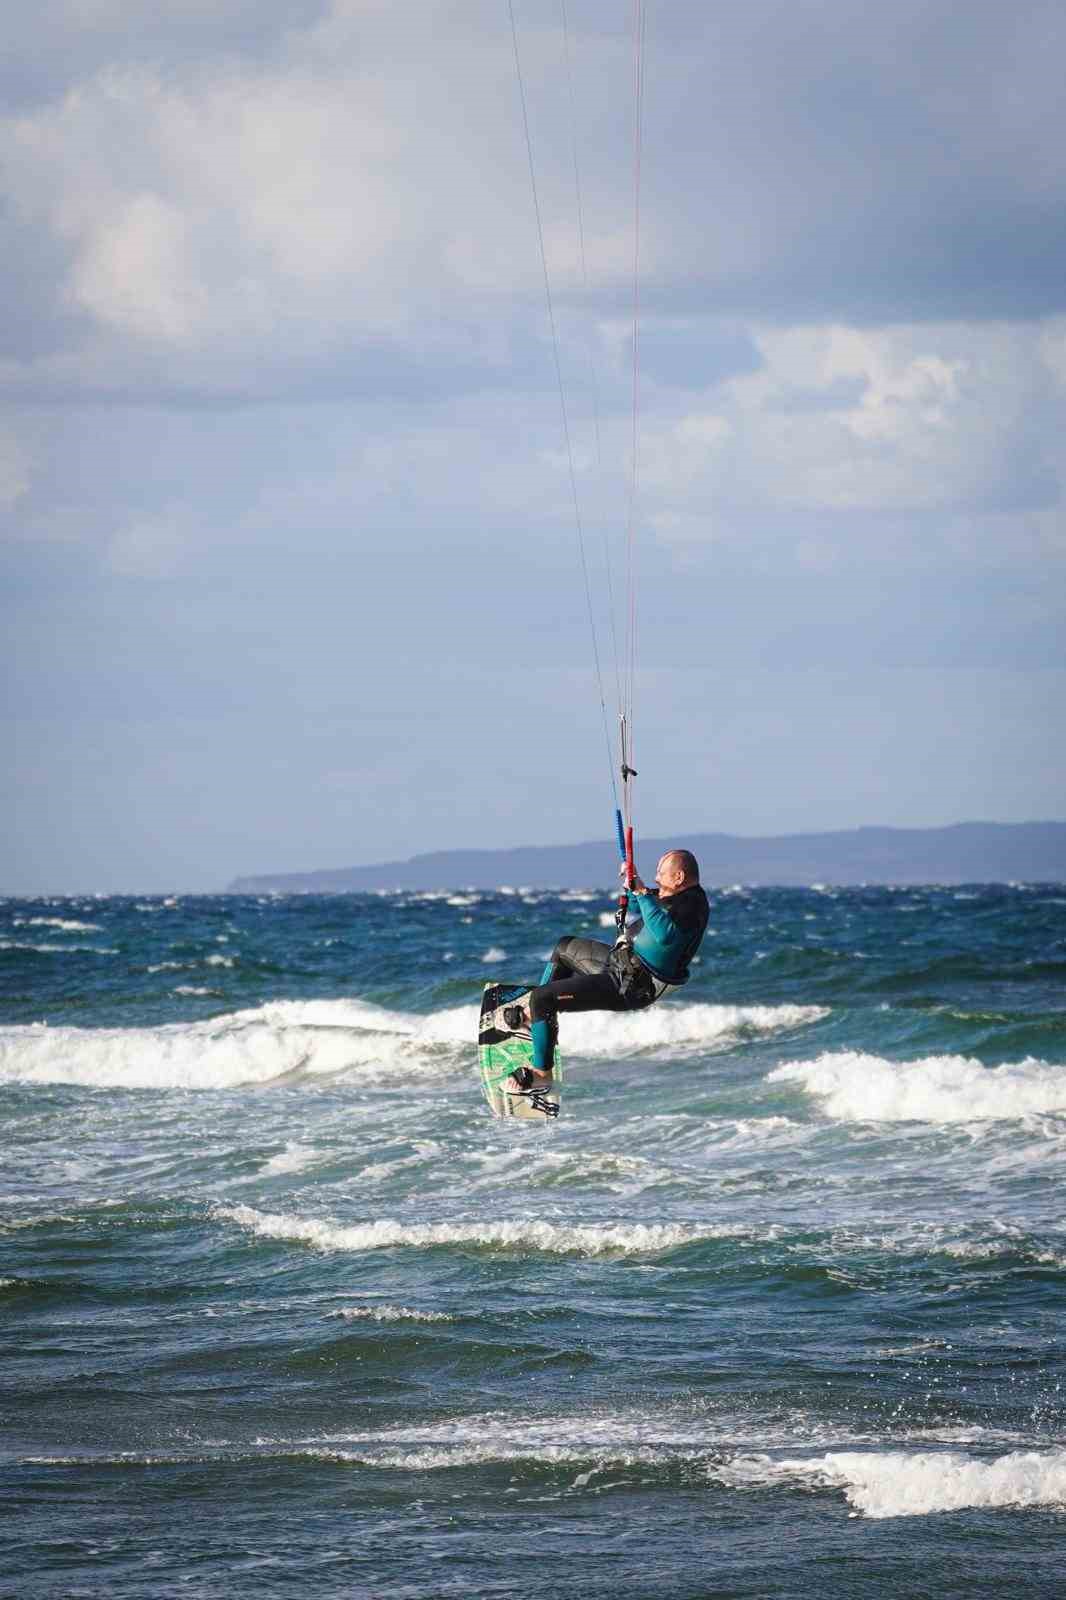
point(66, 925)
point(294, 1158)
point(899, 1483)
point(675, 1024)
point(529, 1234)
point(309, 1038)
point(58, 949)
point(224, 1052)
point(854, 1087)
point(387, 1314)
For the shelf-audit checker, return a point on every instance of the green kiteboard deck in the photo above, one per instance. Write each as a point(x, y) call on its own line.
point(501, 1051)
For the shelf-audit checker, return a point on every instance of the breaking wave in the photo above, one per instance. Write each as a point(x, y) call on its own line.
point(878, 1484)
point(64, 924)
point(387, 1314)
point(293, 1038)
point(901, 1483)
point(542, 1237)
point(854, 1087)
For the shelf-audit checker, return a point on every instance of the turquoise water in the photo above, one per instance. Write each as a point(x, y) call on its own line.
point(776, 1307)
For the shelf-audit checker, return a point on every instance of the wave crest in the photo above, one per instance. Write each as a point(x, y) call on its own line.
point(854, 1087)
point(901, 1483)
point(542, 1237)
point(387, 1314)
point(309, 1038)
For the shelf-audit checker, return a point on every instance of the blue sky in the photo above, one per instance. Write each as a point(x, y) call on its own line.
point(289, 560)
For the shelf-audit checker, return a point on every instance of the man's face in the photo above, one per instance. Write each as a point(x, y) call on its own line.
point(666, 874)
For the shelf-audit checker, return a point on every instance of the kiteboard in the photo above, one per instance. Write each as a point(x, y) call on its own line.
point(501, 1051)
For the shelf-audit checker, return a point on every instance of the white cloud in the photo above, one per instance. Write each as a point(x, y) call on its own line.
point(216, 208)
point(134, 272)
point(275, 315)
point(943, 417)
point(341, 192)
point(350, 210)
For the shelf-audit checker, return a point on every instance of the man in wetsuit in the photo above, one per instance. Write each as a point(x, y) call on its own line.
point(651, 957)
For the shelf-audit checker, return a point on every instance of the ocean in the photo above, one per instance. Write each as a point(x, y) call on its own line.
point(776, 1308)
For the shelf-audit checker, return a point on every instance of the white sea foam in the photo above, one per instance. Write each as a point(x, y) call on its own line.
point(429, 1458)
point(494, 953)
point(66, 925)
point(676, 1024)
point(854, 1087)
point(400, 1456)
point(249, 1047)
point(881, 1484)
point(387, 1314)
point(533, 1234)
point(58, 949)
point(878, 1483)
point(287, 1038)
point(294, 1158)
point(668, 1433)
point(191, 988)
point(669, 1026)
point(900, 1483)
point(745, 1133)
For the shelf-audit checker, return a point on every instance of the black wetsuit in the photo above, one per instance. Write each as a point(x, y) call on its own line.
point(588, 975)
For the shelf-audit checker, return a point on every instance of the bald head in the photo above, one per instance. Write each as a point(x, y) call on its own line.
point(677, 870)
point(684, 861)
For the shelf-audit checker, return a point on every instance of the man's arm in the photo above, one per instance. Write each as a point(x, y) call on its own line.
point(657, 919)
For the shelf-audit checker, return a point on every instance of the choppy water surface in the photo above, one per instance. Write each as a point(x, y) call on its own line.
point(776, 1308)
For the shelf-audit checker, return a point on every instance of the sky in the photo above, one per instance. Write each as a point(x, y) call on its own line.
point(290, 565)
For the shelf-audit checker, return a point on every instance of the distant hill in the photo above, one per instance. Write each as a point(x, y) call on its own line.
point(967, 852)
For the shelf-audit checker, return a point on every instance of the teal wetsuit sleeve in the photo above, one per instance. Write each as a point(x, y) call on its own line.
point(660, 942)
point(656, 917)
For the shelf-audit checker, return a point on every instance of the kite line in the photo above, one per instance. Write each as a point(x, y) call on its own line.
point(625, 662)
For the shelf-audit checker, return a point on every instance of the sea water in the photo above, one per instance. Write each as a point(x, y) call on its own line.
point(778, 1306)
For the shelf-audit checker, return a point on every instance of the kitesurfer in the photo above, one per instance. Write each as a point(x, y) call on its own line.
point(650, 957)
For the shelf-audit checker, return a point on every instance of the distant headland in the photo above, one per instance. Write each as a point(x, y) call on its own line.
point(966, 852)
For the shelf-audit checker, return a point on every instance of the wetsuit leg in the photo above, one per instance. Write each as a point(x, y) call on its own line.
point(576, 955)
point(594, 991)
point(578, 980)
